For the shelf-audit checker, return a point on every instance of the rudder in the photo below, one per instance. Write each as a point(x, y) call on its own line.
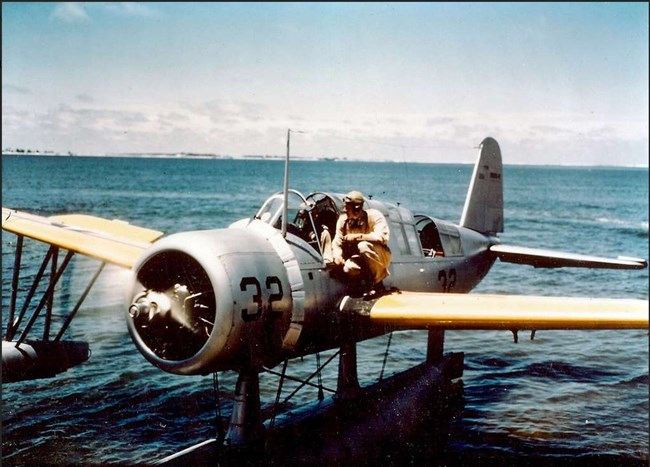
point(483, 209)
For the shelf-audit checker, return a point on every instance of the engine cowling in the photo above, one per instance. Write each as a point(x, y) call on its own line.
point(211, 300)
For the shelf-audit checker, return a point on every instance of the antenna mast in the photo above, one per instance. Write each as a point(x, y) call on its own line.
point(285, 209)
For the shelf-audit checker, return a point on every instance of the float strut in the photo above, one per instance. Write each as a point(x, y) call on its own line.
point(435, 345)
point(14, 287)
point(348, 382)
point(246, 429)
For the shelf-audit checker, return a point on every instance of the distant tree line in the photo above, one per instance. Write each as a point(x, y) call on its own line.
point(27, 151)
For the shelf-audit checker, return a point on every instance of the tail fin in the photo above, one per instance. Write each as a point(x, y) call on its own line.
point(483, 209)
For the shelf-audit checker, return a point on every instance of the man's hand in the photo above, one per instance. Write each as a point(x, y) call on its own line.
point(353, 237)
point(339, 261)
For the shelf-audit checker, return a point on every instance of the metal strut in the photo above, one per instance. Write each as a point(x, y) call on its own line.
point(246, 428)
point(348, 381)
point(306, 382)
point(46, 297)
point(435, 345)
point(13, 325)
point(321, 396)
point(277, 395)
point(79, 302)
point(25, 358)
point(220, 431)
point(14, 286)
point(383, 366)
point(50, 298)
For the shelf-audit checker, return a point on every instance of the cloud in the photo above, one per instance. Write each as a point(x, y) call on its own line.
point(14, 120)
point(71, 12)
point(220, 111)
point(130, 9)
point(85, 98)
point(435, 121)
point(80, 12)
point(232, 127)
point(63, 118)
point(15, 89)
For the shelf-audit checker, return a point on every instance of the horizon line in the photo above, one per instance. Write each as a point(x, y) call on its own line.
point(281, 158)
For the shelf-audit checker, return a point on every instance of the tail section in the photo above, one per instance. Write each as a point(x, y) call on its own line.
point(483, 209)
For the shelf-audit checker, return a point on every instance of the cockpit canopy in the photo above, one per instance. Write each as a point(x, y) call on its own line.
point(308, 217)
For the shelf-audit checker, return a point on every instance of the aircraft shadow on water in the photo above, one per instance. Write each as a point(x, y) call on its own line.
point(253, 296)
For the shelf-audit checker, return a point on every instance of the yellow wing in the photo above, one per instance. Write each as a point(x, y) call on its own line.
point(478, 311)
point(112, 241)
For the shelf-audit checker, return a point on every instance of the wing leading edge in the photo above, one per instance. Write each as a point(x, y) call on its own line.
point(111, 241)
point(556, 259)
point(411, 310)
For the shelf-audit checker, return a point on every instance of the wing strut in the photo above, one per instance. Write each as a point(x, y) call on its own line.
point(12, 325)
point(46, 297)
point(109, 241)
point(74, 311)
point(14, 287)
point(27, 358)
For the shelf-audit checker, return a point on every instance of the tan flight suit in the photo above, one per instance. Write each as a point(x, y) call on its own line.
point(372, 243)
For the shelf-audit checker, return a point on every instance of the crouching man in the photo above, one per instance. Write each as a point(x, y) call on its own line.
point(361, 242)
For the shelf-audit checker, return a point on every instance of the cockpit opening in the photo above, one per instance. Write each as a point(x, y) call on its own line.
point(325, 212)
point(429, 236)
point(309, 218)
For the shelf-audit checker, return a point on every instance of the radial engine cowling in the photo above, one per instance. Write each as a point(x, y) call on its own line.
point(210, 300)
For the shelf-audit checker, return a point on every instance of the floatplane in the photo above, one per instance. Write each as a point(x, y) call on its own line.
point(251, 297)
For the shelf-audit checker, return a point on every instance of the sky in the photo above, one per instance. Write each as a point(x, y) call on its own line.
point(553, 83)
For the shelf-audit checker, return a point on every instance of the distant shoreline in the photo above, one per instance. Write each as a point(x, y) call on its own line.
point(279, 158)
point(181, 155)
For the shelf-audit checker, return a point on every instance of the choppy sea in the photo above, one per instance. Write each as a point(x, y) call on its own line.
point(564, 397)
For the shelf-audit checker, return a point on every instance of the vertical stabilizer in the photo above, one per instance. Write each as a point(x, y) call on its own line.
point(483, 209)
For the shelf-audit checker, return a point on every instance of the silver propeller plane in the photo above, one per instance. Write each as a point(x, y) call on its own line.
point(257, 293)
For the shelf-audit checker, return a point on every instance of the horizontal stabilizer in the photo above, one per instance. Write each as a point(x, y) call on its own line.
point(479, 311)
point(557, 259)
point(111, 241)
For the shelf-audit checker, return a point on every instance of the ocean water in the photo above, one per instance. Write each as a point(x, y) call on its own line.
point(563, 397)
